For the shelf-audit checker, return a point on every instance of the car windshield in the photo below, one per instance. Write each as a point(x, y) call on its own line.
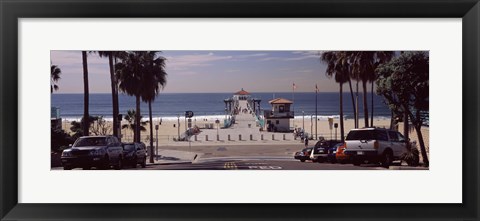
point(129, 147)
point(366, 135)
point(91, 141)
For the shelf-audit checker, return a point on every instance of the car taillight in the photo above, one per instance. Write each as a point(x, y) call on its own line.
point(375, 145)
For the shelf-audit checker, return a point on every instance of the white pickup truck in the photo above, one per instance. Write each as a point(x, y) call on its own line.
point(375, 145)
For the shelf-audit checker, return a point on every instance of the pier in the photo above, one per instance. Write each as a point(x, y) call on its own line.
point(244, 123)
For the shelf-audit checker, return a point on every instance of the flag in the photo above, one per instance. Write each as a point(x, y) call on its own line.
point(294, 86)
point(316, 88)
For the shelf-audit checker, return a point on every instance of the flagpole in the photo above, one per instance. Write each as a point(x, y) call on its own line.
point(316, 114)
point(293, 103)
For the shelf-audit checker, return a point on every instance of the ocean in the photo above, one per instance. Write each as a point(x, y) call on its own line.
point(211, 105)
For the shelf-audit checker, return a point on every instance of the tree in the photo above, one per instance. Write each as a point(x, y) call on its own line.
point(54, 77)
point(113, 55)
point(339, 71)
point(85, 126)
point(364, 65)
point(154, 79)
point(77, 127)
point(404, 83)
point(130, 118)
point(344, 58)
point(129, 73)
point(100, 126)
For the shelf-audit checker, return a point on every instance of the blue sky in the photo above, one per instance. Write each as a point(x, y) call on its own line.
point(209, 71)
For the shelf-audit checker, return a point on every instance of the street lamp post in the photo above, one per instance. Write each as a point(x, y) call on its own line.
point(303, 120)
point(178, 121)
point(311, 124)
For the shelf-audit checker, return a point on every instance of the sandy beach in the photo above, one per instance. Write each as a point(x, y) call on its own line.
point(168, 129)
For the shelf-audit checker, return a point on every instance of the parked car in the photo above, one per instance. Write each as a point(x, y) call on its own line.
point(340, 155)
point(321, 148)
point(332, 152)
point(304, 154)
point(375, 145)
point(135, 153)
point(100, 152)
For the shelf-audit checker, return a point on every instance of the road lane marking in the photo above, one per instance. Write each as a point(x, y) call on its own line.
point(230, 166)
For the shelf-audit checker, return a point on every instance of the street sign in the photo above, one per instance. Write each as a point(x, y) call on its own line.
point(335, 125)
point(188, 114)
point(330, 122)
point(217, 121)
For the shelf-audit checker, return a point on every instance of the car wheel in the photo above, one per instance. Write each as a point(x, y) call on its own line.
point(356, 162)
point(144, 163)
point(119, 164)
point(302, 161)
point(67, 168)
point(387, 159)
point(106, 163)
point(134, 162)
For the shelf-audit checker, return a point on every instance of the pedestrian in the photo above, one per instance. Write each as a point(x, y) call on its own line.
point(306, 142)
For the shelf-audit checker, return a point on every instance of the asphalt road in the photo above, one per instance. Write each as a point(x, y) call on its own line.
point(274, 163)
point(253, 157)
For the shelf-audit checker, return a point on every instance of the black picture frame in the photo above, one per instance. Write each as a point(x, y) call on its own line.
point(11, 11)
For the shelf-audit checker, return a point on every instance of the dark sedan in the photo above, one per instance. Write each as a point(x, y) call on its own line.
point(100, 152)
point(135, 153)
point(303, 155)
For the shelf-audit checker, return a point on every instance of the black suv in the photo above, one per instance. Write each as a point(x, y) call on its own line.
point(321, 148)
point(135, 153)
point(100, 152)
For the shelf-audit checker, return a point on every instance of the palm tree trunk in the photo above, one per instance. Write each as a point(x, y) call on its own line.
point(115, 100)
point(353, 102)
point(405, 125)
point(356, 107)
point(365, 103)
point(371, 115)
point(137, 120)
point(418, 129)
point(85, 123)
point(151, 131)
point(342, 132)
point(391, 120)
point(113, 85)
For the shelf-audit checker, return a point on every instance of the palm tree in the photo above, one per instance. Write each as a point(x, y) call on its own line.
point(129, 73)
point(365, 63)
point(114, 85)
point(54, 77)
point(344, 58)
point(85, 125)
point(364, 72)
point(130, 118)
point(154, 79)
point(336, 68)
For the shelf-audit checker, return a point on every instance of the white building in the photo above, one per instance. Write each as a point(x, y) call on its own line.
point(278, 118)
point(241, 95)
